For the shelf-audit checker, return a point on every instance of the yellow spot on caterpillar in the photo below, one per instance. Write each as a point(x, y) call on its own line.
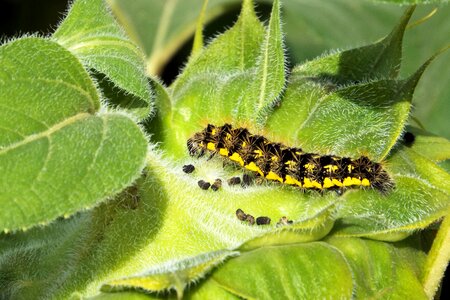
point(350, 168)
point(356, 181)
point(237, 158)
point(337, 182)
point(210, 146)
point(365, 182)
point(258, 153)
point(228, 137)
point(223, 151)
point(347, 181)
point(327, 183)
point(331, 168)
point(290, 163)
point(273, 176)
point(309, 167)
point(213, 131)
point(290, 180)
point(274, 158)
point(307, 183)
point(253, 167)
point(244, 144)
point(316, 184)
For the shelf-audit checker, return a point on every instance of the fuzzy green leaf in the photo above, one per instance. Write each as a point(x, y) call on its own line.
point(173, 275)
point(239, 82)
point(383, 270)
point(433, 147)
point(287, 272)
point(56, 155)
point(167, 220)
point(187, 220)
point(365, 118)
point(129, 295)
point(92, 34)
point(437, 260)
point(421, 196)
point(379, 60)
point(163, 111)
point(349, 24)
point(269, 79)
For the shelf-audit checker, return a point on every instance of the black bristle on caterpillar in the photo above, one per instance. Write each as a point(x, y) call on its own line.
point(288, 165)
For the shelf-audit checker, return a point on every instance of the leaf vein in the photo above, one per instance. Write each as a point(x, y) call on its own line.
point(46, 133)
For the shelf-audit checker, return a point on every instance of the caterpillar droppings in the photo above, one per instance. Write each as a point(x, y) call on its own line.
point(288, 165)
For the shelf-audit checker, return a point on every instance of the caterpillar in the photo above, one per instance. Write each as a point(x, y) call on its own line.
point(288, 165)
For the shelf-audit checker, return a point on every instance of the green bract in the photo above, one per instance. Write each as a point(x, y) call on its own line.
point(122, 220)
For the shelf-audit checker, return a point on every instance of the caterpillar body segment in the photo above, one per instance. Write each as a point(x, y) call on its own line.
point(288, 165)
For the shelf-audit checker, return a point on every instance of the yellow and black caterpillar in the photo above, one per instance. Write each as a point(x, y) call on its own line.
point(288, 165)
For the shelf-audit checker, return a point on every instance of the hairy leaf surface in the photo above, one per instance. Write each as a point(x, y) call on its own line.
point(92, 34)
point(394, 270)
point(56, 154)
point(236, 83)
point(291, 272)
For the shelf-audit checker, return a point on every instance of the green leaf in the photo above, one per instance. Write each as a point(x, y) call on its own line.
point(363, 119)
point(209, 289)
point(56, 155)
point(353, 120)
point(437, 260)
point(421, 197)
point(157, 125)
point(287, 272)
point(303, 231)
point(379, 60)
point(165, 210)
point(92, 34)
point(270, 73)
point(197, 45)
point(125, 295)
point(220, 74)
point(167, 220)
point(349, 24)
point(173, 275)
point(382, 270)
point(431, 146)
point(242, 81)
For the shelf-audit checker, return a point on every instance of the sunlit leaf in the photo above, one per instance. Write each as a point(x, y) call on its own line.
point(174, 276)
point(232, 83)
point(433, 147)
point(288, 272)
point(383, 270)
point(57, 155)
point(92, 34)
point(378, 60)
point(192, 221)
point(421, 197)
